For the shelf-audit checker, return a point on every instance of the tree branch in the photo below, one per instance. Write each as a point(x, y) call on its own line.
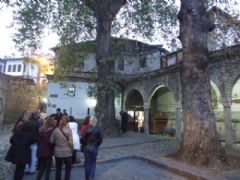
point(91, 4)
point(115, 6)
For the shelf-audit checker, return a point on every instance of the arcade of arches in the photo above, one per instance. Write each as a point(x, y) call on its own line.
point(155, 102)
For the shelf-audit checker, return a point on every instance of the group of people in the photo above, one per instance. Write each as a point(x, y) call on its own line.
point(39, 139)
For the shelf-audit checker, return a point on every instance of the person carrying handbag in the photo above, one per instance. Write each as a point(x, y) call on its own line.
point(91, 141)
point(63, 141)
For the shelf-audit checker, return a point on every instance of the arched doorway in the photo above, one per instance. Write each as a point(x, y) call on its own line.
point(134, 107)
point(236, 111)
point(162, 110)
point(218, 110)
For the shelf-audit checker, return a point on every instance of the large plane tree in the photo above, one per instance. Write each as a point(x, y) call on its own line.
point(200, 143)
point(77, 20)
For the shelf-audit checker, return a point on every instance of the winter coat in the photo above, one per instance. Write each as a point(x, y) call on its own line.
point(20, 151)
point(92, 137)
point(76, 140)
point(35, 123)
point(62, 145)
point(83, 129)
point(45, 148)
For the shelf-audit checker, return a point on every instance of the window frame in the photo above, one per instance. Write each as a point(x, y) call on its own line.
point(19, 68)
point(121, 64)
point(9, 68)
point(14, 68)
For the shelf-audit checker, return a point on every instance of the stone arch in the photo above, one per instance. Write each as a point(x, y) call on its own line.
point(216, 95)
point(134, 106)
point(218, 109)
point(232, 83)
point(133, 98)
point(235, 109)
point(162, 108)
point(152, 90)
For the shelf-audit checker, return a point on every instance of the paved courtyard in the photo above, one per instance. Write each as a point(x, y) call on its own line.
point(133, 156)
point(127, 169)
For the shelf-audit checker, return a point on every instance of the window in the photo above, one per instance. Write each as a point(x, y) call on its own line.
point(14, 68)
point(81, 64)
point(71, 91)
point(0, 68)
point(24, 68)
point(19, 68)
point(9, 68)
point(53, 95)
point(142, 61)
point(121, 64)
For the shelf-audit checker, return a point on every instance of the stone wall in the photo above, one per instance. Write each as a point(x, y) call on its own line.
point(4, 84)
point(224, 73)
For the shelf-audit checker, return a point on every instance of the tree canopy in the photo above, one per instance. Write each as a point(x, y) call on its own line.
point(74, 21)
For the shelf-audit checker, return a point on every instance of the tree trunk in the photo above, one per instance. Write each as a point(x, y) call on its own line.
point(200, 144)
point(105, 11)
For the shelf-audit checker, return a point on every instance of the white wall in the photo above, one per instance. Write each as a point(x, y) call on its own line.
point(2, 67)
point(90, 63)
point(31, 71)
point(76, 105)
point(153, 63)
point(118, 107)
point(132, 65)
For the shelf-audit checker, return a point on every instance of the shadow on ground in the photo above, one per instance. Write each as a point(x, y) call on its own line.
point(133, 169)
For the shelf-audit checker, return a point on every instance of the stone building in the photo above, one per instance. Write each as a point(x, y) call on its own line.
point(151, 90)
point(73, 95)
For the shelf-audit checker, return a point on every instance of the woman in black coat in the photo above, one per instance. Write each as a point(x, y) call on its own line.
point(91, 141)
point(20, 152)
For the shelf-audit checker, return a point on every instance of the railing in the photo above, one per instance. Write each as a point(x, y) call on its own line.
point(170, 59)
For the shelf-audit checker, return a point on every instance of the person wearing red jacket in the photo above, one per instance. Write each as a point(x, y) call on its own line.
point(84, 126)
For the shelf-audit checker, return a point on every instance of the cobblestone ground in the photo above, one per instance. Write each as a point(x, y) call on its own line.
point(5, 167)
point(127, 169)
point(135, 144)
point(133, 156)
point(130, 144)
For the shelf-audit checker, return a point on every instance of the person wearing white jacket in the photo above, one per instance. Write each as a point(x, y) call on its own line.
point(76, 143)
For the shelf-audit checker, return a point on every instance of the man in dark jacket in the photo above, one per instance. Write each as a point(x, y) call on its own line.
point(124, 121)
point(58, 115)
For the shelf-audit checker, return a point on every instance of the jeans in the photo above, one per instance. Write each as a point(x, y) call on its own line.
point(19, 172)
point(31, 168)
point(68, 166)
point(44, 165)
point(90, 154)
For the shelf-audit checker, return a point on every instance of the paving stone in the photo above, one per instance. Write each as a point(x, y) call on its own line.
point(148, 148)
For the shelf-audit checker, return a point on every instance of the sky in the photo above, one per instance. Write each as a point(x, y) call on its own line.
point(50, 40)
point(7, 47)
